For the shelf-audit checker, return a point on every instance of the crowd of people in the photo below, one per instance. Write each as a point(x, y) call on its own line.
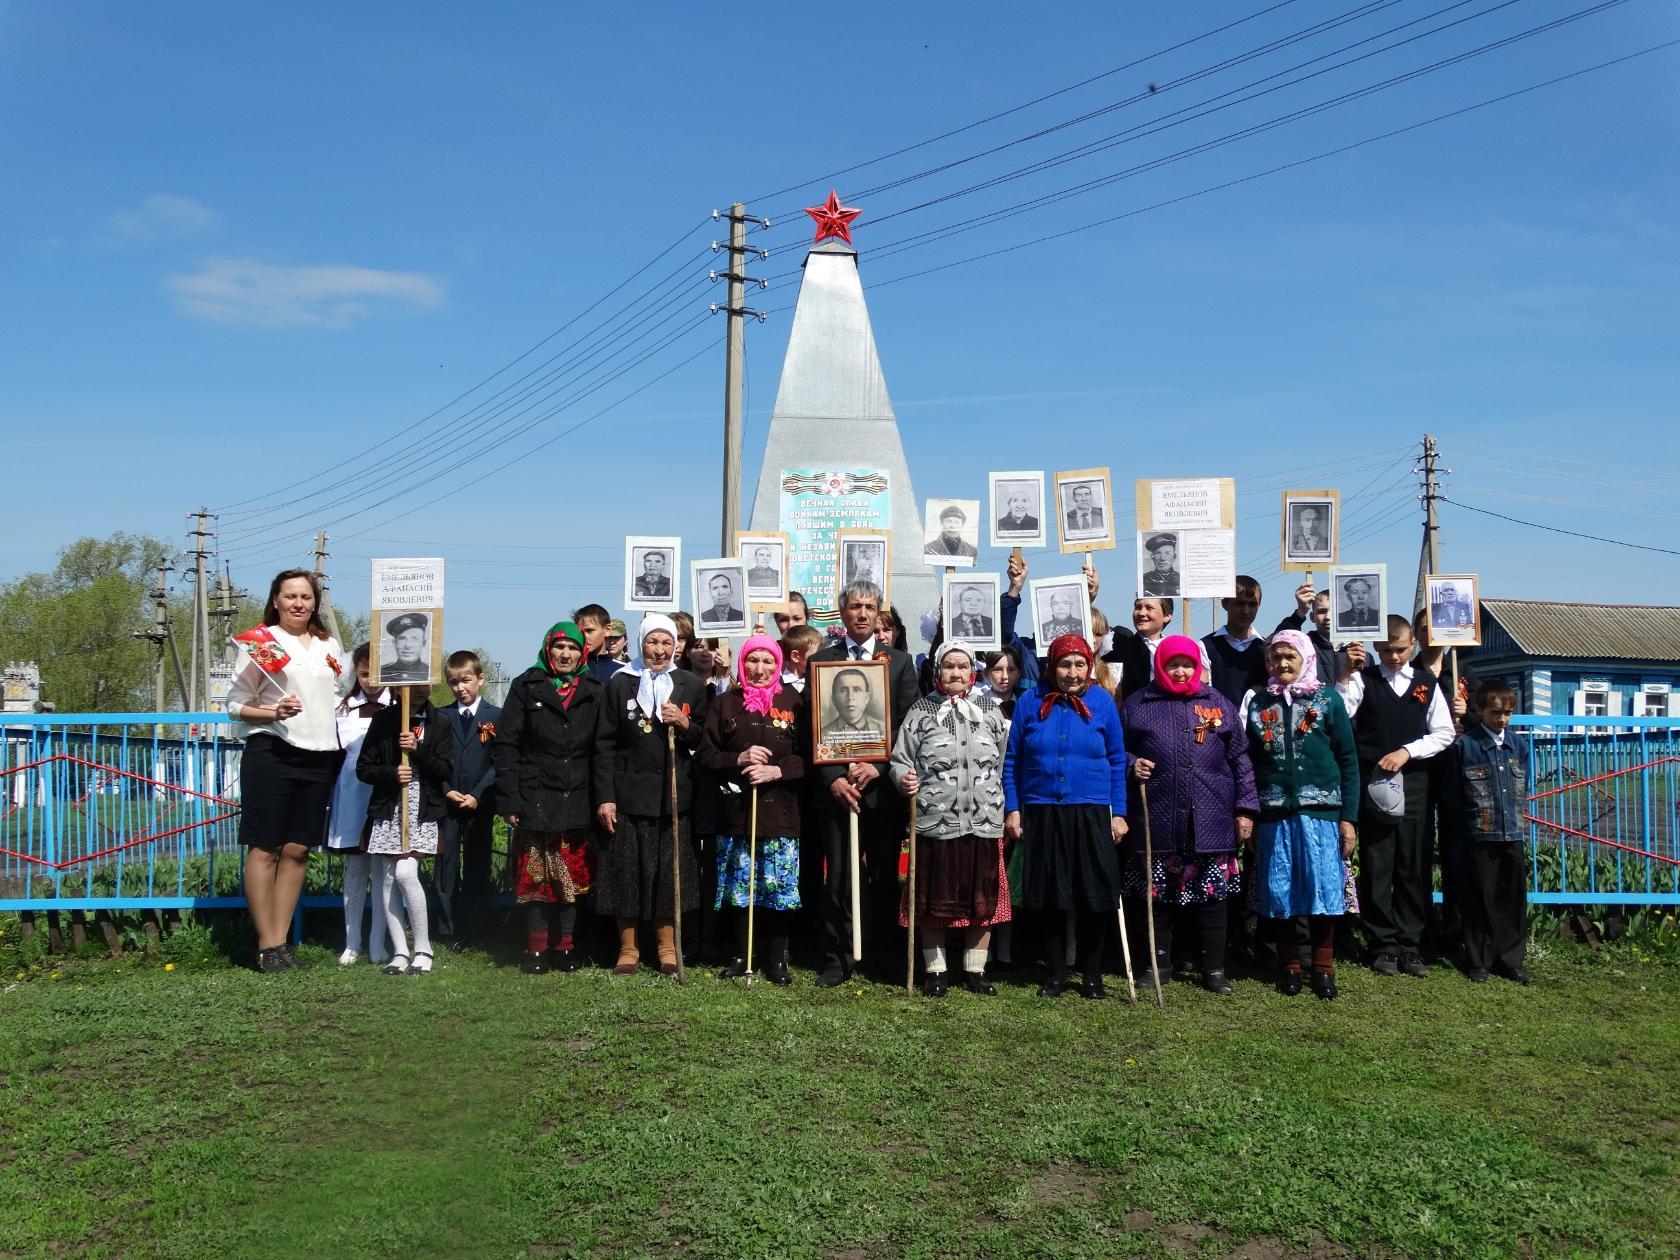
point(1193, 802)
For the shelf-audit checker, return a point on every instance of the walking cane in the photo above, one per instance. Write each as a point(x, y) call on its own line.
point(752, 874)
point(1149, 897)
point(910, 901)
point(676, 857)
point(1126, 956)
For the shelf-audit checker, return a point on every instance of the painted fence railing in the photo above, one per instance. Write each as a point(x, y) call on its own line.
point(141, 810)
point(1603, 809)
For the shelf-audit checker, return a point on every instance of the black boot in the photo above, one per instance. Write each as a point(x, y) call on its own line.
point(976, 982)
point(738, 961)
point(1324, 985)
point(934, 985)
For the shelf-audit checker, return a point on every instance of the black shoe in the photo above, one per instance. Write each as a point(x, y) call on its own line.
point(1516, 975)
point(1289, 983)
point(292, 960)
point(833, 976)
point(1415, 967)
point(777, 973)
point(398, 966)
point(735, 970)
point(533, 964)
point(1476, 976)
point(976, 982)
point(935, 985)
point(1324, 985)
point(1092, 989)
point(1215, 982)
point(272, 961)
point(463, 944)
point(1385, 965)
point(1054, 987)
point(566, 960)
point(1147, 980)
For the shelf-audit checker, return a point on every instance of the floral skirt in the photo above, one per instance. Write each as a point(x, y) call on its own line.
point(961, 881)
point(1185, 881)
point(775, 886)
point(385, 835)
point(552, 867)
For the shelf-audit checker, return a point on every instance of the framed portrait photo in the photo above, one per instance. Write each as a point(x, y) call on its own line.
point(863, 555)
point(765, 557)
point(973, 603)
point(1060, 605)
point(1160, 563)
point(1359, 603)
point(1084, 510)
point(652, 576)
point(720, 597)
point(1017, 503)
point(951, 533)
point(1455, 609)
point(1312, 520)
point(852, 705)
point(407, 646)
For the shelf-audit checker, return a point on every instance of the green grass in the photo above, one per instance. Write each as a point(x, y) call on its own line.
point(211, 1111)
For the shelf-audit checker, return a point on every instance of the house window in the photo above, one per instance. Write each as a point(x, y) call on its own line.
point(1653, 700)
point(1595, 704)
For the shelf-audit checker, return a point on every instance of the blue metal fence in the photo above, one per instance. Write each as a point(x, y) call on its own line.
point(140, 810)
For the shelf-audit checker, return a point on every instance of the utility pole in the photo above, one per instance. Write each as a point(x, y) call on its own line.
point(162, 637)
point(1429, 559)
point(200, 654)
point(327, 613)
point(735, 358)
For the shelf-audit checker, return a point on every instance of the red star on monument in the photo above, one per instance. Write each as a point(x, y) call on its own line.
point(833, 219)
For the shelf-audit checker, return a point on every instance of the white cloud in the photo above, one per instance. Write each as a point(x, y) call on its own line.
point(241, 291)
point(163, 215)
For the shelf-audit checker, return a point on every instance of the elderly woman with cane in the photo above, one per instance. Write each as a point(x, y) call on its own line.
point(949, 760)
point(1064, 789)
point(645, 740)
point(1307, 772)
point(1195, 804)
point(751, 744)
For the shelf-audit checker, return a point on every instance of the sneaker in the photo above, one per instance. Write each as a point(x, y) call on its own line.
point(1385, 965)
point(1415, 967)
point(272, 961)
point(348, 958)
point(292, 960)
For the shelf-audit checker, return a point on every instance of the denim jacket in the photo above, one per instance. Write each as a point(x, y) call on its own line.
point(1490, 786)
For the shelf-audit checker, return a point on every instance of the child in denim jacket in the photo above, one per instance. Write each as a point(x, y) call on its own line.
point(1488, 801)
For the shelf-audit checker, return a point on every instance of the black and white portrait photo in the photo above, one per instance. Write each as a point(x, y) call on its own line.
point(1159, 571)
point(1309, 528)
point(952, 534)
point(720, 588)
point(1084, 509)
point(971, 610)
point(1359, 601)
point(1455, 610)
point(1017, 516)
point(852, 702)
point(1060, 606)
point(652, 581)
point(405, 647)
point(765, 559)
point(864, 556)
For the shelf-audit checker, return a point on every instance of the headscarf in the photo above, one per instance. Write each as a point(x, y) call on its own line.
point(654, 689)
point(1067, 645)
point(565, 685)
point(1178, 645)
point(956, 706)
point(1306, 682)
point(759, 699)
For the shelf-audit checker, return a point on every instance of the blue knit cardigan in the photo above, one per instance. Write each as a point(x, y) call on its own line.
point(1064, 759)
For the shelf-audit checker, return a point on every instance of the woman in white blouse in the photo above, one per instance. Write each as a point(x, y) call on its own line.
point(291, 756)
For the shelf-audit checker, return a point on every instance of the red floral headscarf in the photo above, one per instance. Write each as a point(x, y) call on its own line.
point(1067, 645)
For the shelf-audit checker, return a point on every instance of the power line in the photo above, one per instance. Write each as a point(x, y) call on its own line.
point(1554, 529)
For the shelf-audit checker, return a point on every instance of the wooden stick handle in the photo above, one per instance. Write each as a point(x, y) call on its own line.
point(752, 874)
point(402, 803)
point(857, 887)
point(910, 910)
point(1149, 896)
point(676, 858)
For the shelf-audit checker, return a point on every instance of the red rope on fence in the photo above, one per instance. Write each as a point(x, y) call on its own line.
point(1614, 774)
point(88, 857)
point(1614, 844)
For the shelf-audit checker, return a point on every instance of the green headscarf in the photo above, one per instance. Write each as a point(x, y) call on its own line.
point(564, 684)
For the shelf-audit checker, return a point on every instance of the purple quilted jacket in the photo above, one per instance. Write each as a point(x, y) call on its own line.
point(1197, 787)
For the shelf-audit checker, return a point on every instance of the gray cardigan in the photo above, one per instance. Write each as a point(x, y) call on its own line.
point(960, 768)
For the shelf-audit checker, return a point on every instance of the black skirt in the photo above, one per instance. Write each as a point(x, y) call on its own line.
point(1068, 859)
point(284, 792)
point(633, 877)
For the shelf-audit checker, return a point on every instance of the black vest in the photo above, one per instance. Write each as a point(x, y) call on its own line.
point(1236, 672)
point(1385, 721)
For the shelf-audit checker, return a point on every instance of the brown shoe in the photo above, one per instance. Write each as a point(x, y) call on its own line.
point(666, 937)
point(629, 957)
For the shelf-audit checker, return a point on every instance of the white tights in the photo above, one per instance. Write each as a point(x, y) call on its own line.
point(357, 869)
point(399, 882)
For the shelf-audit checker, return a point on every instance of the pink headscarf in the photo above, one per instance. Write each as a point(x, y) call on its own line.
point(1306, 682)
point(1178, 645)
point(759, 699)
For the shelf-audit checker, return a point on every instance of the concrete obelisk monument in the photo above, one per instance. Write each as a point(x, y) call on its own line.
point(833, 461)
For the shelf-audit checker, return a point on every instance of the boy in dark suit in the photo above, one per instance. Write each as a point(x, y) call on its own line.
point(854, 788)
point(463, 860)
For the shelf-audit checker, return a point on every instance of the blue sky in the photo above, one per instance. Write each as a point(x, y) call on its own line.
point(243, 244)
